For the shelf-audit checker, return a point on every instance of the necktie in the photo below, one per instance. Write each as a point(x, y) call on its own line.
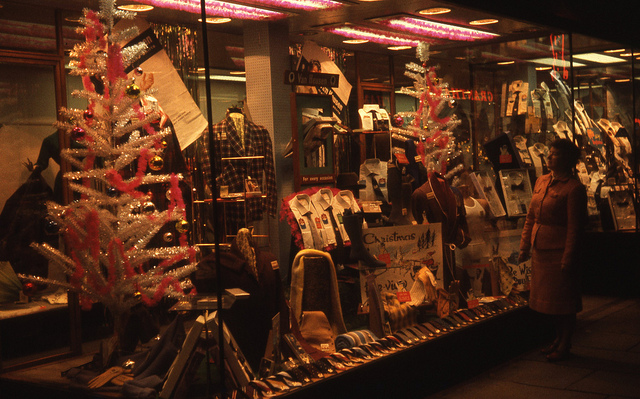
point(376, 189)
point(516, 103)
point(334, 224)
point(317, 240)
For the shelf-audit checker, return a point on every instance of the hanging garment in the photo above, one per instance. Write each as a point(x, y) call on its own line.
point(309, 221)
point(373, 173)
point(228, 143)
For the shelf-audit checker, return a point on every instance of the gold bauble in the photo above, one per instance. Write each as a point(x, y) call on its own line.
point(156, 163)
point(182, 226)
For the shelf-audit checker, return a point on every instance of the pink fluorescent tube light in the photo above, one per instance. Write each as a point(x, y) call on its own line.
point(217, 8)
point(433, 29)
point(374, 35)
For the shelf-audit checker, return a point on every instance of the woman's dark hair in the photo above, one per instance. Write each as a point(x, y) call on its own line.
point(569, 151)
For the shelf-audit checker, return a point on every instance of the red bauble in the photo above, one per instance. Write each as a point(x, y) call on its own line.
point(88, 114)
point(29, 288)
point(398, 121)
point(138, 71)
point(77, 133)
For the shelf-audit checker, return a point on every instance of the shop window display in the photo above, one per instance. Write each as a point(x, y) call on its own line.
point(417, 235)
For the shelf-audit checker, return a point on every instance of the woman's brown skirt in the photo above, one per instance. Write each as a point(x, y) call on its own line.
point(553, 291)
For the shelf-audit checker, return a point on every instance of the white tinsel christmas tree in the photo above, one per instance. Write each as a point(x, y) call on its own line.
point(107, 230)
point(433, 122)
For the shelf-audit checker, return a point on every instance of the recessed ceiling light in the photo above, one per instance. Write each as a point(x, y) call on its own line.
point(355, 41)
point(617, 50)
point(506, 62)
point(556, 63)
point(622, 80)
point(626, 55)
point(135, 7)
point(434, 11)
point(599, 58)
point(486, 21)
point(237, 72)
point(398, 48)
point(216, 20)
point(543, 68)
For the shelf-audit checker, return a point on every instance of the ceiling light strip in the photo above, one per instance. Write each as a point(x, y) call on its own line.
point(434, 29)
point(301, 4)
point(217, 8)
point(374, 35)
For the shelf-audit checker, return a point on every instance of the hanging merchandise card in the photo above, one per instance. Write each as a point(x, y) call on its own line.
point(516, 188)
point(487, 191)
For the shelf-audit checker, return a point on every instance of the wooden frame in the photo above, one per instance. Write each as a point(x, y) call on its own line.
point(310, 175)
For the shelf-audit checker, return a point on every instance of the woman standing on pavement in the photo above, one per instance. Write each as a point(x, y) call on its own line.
point(552, 233)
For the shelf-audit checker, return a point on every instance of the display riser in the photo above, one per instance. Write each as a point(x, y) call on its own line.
point(440, 362)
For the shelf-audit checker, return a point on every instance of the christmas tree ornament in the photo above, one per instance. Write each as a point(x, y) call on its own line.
point(133, 90)
point(29, 288)
point(148, 208)
point(51, 227)
point(398, 121)
point(77, 133)
point(138, 71)
point(112, 191)
point(156, 163)
point(163, 144)
point(168, 194)
point(168, 236)
point(182, 226)
point(88, 114)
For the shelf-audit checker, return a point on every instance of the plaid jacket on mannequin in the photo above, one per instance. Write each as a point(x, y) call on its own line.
point(232, 173)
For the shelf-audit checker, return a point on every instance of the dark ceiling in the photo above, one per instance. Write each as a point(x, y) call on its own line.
point(518, 19)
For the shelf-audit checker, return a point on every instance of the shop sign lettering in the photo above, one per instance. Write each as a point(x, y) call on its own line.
point(473, 95)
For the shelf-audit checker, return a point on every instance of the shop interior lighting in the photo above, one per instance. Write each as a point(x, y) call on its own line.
point(506, 62)
point(373, 35)
point(218, 8)
point(434, 11)
point(237, 73)
point(544, 68)
point(438, 30)
point(626, 54)
point(558, 63)
point(216, 20)
point(486, 21)
point(355, 41)
point(307, 5)
point(399, 48)
point(617, 50)
point(599, 58)
point(136, 7)
point(622, 80)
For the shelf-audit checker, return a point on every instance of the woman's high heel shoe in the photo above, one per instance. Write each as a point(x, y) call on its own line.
point(549, 349)
point(557, 356)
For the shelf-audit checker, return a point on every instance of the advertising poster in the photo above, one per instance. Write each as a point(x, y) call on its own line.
point(405, 250)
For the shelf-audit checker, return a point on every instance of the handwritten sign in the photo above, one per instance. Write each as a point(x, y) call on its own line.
point(405, 250)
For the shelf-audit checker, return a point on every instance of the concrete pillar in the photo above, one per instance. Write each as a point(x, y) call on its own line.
point(266, 46)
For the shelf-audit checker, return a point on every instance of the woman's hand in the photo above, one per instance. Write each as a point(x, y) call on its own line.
point(524, 256)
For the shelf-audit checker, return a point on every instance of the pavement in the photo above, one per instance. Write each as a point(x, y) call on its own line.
point(605, 361)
